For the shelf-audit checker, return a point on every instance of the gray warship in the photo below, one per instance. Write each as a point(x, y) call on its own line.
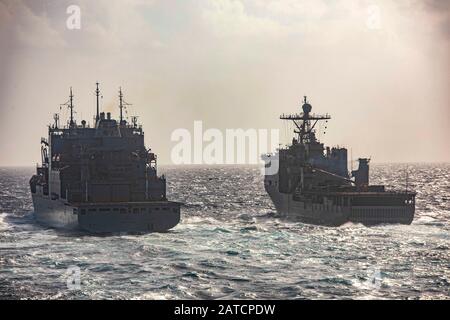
point(100, 179)
point(312, 183)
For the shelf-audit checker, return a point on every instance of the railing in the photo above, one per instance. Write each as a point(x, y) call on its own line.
point(303, 116)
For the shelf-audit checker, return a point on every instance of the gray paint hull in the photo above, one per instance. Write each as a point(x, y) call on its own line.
point(332, 215)
point(151, 216)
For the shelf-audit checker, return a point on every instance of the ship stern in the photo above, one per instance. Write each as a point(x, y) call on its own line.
point(131, 217)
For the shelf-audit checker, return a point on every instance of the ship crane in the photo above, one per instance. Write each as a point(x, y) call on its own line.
point(333, 175)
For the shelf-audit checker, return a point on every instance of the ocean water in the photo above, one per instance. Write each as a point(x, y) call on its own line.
point(230, 245)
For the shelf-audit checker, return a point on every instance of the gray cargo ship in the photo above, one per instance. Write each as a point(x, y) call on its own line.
point(313, 185)
point(100, 179)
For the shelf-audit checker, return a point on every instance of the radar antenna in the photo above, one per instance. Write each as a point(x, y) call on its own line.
point(302, 121)
point(71, 107)
point(69, 104)
point(122, 105)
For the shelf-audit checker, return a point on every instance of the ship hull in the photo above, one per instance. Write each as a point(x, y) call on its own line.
point(54, 213)
point(334, 215)
point(130, 217)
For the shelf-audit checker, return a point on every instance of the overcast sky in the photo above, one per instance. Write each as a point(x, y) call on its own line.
point(380, 68)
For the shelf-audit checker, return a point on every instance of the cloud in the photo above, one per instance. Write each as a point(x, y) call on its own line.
point(440, 9)
point(232, 64)
point(230, 18)
point(27, 28)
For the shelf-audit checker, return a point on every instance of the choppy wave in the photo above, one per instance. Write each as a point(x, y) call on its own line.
point(231, 245)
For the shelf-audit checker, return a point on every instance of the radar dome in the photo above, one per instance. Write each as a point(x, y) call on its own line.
point(306, 108)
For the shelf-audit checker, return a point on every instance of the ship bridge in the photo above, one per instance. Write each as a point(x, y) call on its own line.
point(105, 163)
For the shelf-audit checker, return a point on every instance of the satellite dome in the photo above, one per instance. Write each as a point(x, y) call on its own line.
point(306, 108)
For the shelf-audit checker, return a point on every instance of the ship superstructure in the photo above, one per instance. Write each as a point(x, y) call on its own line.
point(100, 179)
point(312, 183)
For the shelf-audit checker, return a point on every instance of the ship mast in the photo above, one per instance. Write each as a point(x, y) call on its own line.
point(97, 93)
point(303, 122)
point(71, 123)
point(120, 104)
point(69, 104)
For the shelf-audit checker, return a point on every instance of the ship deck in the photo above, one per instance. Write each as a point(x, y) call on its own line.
point(362, 193)
point(128, 203)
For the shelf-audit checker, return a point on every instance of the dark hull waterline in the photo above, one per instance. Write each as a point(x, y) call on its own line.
point(132, 217)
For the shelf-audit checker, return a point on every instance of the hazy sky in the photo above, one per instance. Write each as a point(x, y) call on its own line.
point(380, 68)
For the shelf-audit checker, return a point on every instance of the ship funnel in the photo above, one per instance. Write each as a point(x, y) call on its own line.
point(108, 115)
point(362, 174)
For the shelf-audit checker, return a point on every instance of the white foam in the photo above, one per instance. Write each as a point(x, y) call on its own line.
point(3, 224)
